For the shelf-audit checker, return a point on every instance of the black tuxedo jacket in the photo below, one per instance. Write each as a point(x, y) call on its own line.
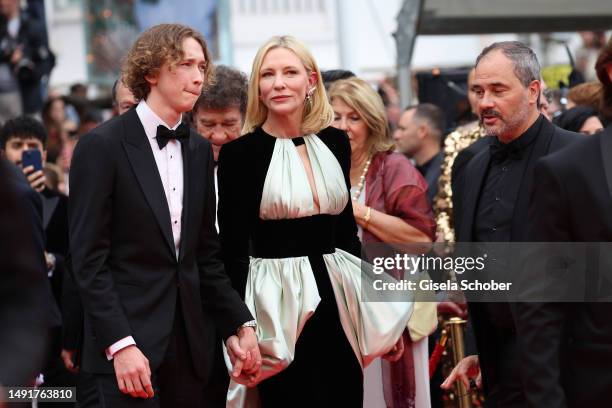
point(497, 352)
point(23, 286)
point(567, 347)
point(123, 254)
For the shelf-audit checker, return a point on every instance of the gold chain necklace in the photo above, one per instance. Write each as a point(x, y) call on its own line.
point(362, 179)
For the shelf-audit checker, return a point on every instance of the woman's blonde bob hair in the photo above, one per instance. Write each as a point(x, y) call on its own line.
point(317, 115)
point(358, 95)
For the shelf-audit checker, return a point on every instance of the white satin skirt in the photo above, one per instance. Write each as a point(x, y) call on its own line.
point(282, 295)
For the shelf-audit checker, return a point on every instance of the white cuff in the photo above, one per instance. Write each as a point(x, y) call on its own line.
point(119, 345)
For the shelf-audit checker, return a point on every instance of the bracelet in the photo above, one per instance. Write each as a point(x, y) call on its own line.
point(367, 216)
point(250, 323)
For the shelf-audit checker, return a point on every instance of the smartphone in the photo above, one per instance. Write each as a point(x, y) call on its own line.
point(31, 158)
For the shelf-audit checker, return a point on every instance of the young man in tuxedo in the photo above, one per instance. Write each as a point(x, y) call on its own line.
point(494, 199)
point(144, 247)
point(566, 348)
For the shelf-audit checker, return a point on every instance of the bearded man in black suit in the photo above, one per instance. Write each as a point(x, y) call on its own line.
point(494, 200)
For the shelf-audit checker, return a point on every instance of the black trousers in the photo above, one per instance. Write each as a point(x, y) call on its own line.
point(215, 391)
point(174, 382)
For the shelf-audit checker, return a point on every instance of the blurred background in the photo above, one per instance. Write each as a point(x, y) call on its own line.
point(426, 42)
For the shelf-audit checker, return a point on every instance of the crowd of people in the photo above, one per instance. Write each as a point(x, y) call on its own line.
point(203, 247)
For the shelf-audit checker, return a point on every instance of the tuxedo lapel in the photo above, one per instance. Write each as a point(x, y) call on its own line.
point(474, 177)
point(606, 153)
point(140, 156)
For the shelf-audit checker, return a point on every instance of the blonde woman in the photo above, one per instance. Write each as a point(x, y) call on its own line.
point(389, 198)
point(284, 199)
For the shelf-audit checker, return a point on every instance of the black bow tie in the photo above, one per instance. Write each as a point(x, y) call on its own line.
point(164, 134)
point(501, 152)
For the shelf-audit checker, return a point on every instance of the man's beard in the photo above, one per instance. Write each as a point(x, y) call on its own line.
point(506, 127)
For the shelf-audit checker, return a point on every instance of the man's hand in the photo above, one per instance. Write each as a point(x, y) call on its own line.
point(17, 55)
point(35, 178)
point(68, 359)
point(133, 372)
point(467, 368)
point(244, 355)
point(396, 352)
point(448, 307)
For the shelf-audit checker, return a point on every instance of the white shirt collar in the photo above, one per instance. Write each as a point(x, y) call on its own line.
point(150, 120)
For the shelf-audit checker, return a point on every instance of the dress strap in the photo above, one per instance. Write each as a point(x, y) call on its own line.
point(298, 141)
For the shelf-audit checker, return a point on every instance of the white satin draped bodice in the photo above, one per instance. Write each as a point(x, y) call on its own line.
point(287, 192)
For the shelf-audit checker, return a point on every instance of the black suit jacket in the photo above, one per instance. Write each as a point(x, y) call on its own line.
point(497, 351)
point(22, 282)
point(123, 253)
point(31, 204)
point(567, 347)
point(55, 222)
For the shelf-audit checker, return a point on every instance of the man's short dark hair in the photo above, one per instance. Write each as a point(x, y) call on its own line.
point(524, 60)
point(332, 75)
point(78, 88)
point(573, 119)
point(433, 115)
point(22, 127)
point(229, 90)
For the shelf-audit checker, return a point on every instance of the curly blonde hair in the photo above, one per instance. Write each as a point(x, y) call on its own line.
point(158, 45)
point(316, 117)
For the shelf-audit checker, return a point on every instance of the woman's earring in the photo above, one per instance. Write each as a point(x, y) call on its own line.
point(309, 96)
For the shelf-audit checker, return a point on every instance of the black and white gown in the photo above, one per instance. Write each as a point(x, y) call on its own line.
point(299, 270)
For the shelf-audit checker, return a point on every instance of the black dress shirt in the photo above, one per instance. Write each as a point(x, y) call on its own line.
point(431, 171)
point(501, 185)
point(495, 208)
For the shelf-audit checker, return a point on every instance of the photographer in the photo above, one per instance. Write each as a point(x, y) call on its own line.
point(24, 60)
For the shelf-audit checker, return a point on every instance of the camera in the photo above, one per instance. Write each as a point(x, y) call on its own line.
point(24, 68)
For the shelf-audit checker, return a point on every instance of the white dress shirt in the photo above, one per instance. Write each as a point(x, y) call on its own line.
point(169, 162)
point(216, 200)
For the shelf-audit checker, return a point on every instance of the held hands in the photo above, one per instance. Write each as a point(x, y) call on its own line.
point(133, 372)
point(467, 369)
point(35, 178)
point(244, 355)
point(396, 352)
